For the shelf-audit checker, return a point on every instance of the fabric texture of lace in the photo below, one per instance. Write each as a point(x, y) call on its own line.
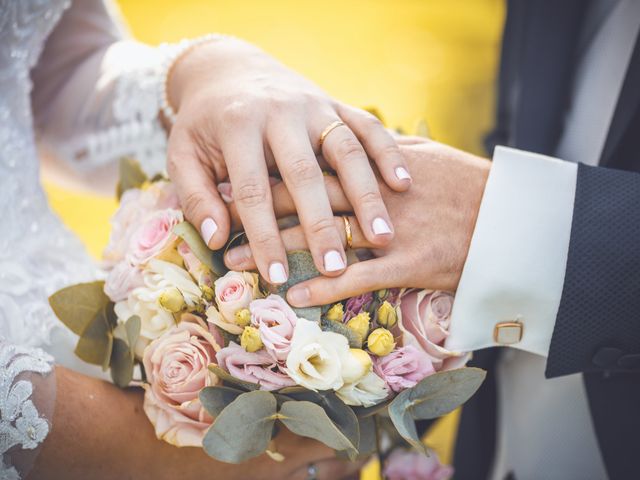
point(38, 255)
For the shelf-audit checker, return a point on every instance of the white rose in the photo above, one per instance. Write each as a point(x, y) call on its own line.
point(320, 360)
point(158, 277)
point(367, 392)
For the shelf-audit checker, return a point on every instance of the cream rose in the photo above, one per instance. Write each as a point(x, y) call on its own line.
point(366, 392)
point(235, 291)
point(176, 365)
point(158, 277)
point(321, 360)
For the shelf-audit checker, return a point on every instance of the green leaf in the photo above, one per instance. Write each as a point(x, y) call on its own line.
point(121, 363)
point(78, 305)
point(131, 175)
point(96, 342)
point(228, 378)
point(243, 429)
point(189, 234)
point(340, 414)
point(367, 444)
point(313, 314)
point(406, 426)
point(310, 420)
point(440, 393)
point(364, 412)
point(215, 399)
point(355, 341)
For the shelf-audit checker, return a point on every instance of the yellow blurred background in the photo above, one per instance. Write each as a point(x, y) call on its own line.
point(413, 60)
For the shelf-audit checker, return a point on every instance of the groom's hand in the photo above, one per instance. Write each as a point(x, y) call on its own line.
point(434, 222)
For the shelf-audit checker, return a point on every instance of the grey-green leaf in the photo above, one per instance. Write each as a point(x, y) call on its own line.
point(440, 393)
point(131, 175)
point(215, 399)
point(78, 305)
point(189, 234)
point(243, 429)
point(310, 420)
point(95, 344)
point(367, 444)
point(340, 414)
point(121, 363)
point(228, 378)
point(406, 426)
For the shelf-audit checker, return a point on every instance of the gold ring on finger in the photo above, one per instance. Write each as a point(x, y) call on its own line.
point(329, 129)
point(347, 231)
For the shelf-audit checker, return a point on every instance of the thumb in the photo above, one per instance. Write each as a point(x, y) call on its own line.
point(196, 186)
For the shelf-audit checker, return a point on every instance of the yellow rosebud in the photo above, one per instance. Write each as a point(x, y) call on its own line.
point(360, 324)
point(250, 339)
point(387, 315)
point(207, 293)
point(336, 313)
point(172, 300)
point(380, 342)
point(363, 357)
point(243, 317)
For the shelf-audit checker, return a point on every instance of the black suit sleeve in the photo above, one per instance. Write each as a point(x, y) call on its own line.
point(598, 322)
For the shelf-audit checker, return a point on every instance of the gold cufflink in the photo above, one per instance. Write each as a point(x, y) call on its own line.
point(507, 333)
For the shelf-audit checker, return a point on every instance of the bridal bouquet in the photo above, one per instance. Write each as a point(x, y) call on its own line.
point(225, 361)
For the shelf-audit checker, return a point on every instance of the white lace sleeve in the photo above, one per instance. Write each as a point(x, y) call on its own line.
point(95, 95)
point(27, 398)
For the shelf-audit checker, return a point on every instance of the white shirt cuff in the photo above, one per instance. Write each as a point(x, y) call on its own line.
point(517, 259)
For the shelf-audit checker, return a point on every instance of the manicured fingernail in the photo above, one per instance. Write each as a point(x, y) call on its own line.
point(380, 226)
point(207, 229)
point(402, 173)
point(277, 273)
point(238, 255)
point(226, 192)
point(299, 295)
point(333, 261)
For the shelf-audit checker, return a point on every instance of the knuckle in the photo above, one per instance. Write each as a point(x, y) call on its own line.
point(264, 239)
point(322, 226)
point(371, 120)
point(251, 194)
point(238, 111)
point(192, 203)
point(370, 197)
point(349, 148)
point(304, 170)
point(390, 150)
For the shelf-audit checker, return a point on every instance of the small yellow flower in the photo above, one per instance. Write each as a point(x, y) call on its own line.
point(250, 339)
point(387, 315)
point(336, 313)
point(172, 300)
point(363, 357)
point(243, 317)
point(207, 293)
point(380, 342)
point(360, 324)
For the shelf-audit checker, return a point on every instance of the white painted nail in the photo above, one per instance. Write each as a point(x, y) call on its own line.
point(333, 261)
point(277, 273)
point(380, 226)
point(207, 229)
point(402, 173)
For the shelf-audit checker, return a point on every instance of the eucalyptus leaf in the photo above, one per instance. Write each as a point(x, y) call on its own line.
point(313, 314)
point(355, 340)
point(131, 175)
point(215, 399)
point(340, 414)
point(310, 420)
point(121, 363)
point(406, 427)
point(133, 326)
point(301, 269)
point(367, 444)
point(78, 305)
point(228, 378)
point(243, 429)
point(96, 342)
point(364, 412)
point(208, 257)
point(440, 393)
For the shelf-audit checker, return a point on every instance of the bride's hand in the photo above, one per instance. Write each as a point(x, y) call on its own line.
point(240, 113)
point(434, 224)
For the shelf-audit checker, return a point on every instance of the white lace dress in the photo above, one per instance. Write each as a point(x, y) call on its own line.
point(70, 79)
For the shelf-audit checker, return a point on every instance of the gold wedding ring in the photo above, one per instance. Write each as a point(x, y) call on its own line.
point(347, 231)
point(329, 129)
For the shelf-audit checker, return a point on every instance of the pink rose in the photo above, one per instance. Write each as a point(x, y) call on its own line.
point(160, 195)
point(410, 465)
point(258, 367)
point(122, 280)
point(403, 368)
point(424, 322)
point(154, 236)
point(275, 320)
point(176, 365)
point(235, 291)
